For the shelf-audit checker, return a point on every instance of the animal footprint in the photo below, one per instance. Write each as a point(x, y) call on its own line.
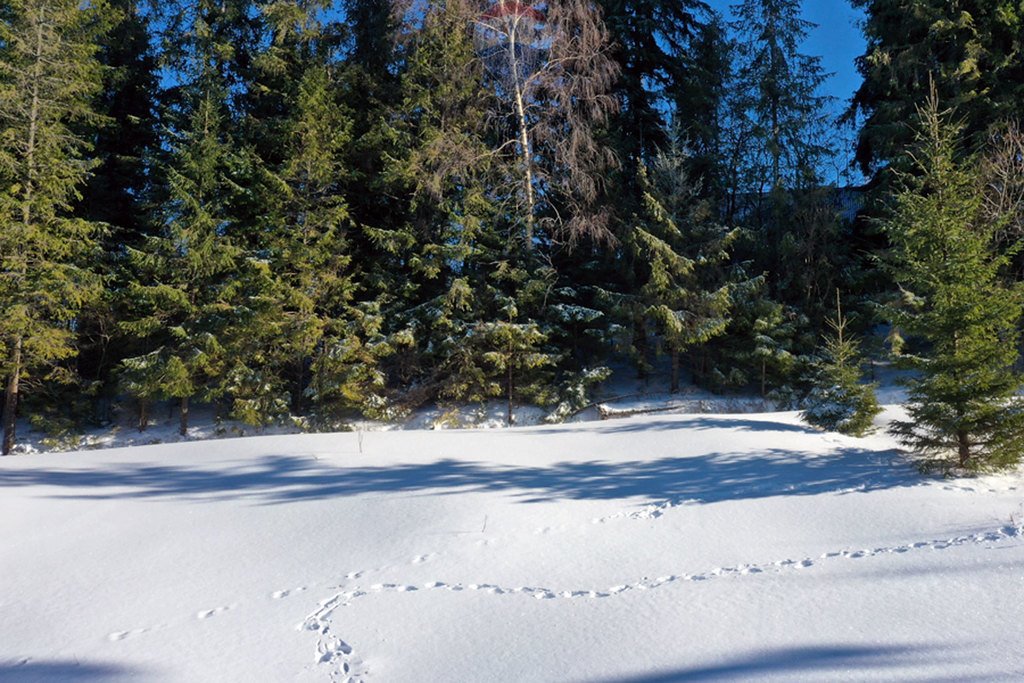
point(207, 613)
point(124, 635)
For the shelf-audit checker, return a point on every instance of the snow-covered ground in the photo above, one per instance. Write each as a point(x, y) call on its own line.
point(650, 549)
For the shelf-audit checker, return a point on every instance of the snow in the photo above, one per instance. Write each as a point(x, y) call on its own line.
point(654, 548)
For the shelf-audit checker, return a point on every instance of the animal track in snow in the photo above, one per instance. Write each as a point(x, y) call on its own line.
point(331, 651)
point(207, 613)
point(538, 592)
point(652, 511)
point(117, 636)
point(347, 668)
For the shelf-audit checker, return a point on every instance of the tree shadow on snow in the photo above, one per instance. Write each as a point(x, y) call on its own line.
point(682, 423)
point(709, 477)
point(36, 671)
point(820, 663)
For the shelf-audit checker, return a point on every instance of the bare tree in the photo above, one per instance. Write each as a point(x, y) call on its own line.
point(1003, 174)
point(550, 75)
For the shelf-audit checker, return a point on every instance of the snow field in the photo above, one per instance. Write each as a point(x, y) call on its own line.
point(655, 548)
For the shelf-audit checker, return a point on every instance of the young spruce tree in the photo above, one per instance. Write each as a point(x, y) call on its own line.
point(838, 400)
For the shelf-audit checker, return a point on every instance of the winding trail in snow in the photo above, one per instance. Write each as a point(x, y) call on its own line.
point(344, 666)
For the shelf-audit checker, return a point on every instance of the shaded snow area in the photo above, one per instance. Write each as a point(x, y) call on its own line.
point(649, 549)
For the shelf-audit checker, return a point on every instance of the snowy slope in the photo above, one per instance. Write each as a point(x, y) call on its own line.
point(649, 549)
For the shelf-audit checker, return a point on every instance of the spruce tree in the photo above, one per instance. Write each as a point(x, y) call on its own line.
point(775, 146)
point(188, 276)
point(120, 189)
point(196, 291)
point(777, 106)
point(839, 401)
point(964, 411)
point(653, 45)
point(436, 262)
point(515, 351)
point(679, 245)
point(321, 346)
point(49, 75)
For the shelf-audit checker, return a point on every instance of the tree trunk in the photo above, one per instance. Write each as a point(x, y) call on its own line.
point(11, 398)
point(675, 372)
point(640, 344)
point(510, 389)
point(143, 414)
point(183, 415)
point(764, 377)
point(963, 442)
point(10, 416)
point(300, 376)
point(524, 143)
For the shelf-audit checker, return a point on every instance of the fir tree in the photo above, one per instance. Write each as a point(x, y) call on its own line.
point(196, 290)
point(963, 405)
point(678, 243)
point(49, 75)
point(838, 400)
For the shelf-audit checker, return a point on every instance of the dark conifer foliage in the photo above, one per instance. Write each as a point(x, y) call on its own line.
point(971, 51)
point(120, 190)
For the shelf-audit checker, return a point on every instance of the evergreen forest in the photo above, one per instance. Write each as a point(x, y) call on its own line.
point(318, 211)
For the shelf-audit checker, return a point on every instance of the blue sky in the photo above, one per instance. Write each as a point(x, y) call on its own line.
point(838, 41)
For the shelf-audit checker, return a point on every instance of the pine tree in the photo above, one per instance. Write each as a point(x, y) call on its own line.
point(963, 405)
point(838, 400)
point(49, 75)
